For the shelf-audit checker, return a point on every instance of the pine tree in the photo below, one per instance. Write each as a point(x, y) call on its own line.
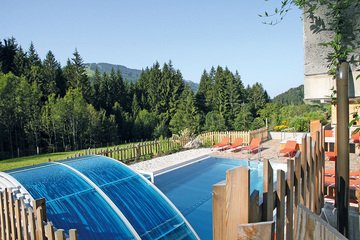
point(221, 100)
point(75, 74)
point(135, 107)
point(34, 67)
point(8, 51)
point(204, 95)
point(21, 62)
point(52, 80)
point(186, 115)
point(235, 90)
point(257, 97)
point(243, 119)
point(96, 89)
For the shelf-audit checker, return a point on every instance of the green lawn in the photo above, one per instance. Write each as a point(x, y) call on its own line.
point(33, 160)
point(13, 163)
point(37, 159)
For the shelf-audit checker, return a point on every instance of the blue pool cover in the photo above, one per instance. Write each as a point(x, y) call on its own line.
point(190, 188)
point(103, 199)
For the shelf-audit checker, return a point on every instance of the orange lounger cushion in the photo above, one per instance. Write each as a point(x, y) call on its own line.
point(254, 144)
point(236, 144)
point(224, 142)
point(290, 148)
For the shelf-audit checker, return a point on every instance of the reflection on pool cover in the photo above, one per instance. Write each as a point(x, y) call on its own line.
point(103, 199)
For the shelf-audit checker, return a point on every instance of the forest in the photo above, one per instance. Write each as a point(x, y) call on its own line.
point(46, 107)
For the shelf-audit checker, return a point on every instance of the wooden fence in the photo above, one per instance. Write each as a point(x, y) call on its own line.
point(21, 222)
point(137, 151)
point(211, 138)
point(312, 226)
point(144, 150)
point(234, 205)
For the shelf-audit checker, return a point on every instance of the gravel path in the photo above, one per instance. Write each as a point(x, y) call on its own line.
point(163, 163)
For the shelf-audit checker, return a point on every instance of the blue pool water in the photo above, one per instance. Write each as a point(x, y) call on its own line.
point(190, 188)
point(103, 199)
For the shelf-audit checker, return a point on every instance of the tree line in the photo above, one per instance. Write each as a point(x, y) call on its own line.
point(53, 108)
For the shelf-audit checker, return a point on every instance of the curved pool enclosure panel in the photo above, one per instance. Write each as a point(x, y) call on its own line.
point(103, 199)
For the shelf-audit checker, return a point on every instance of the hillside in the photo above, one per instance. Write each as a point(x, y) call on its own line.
point(128, 74)
point(292, 96)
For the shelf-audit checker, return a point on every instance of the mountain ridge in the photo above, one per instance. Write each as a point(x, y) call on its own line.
point(293, 96)
point(129, 74)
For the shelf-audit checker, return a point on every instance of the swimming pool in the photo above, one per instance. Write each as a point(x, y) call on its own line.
point(190, 188)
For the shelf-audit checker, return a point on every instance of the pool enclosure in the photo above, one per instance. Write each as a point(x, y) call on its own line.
point(102, 198)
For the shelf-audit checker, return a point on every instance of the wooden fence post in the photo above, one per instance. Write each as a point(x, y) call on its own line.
point(159, 147)
point(32, 225)
point(137, 152)
point(12, 214)
point(313, 197)
point(40, 210)
point(18, 220)
point(2, 214)
point(309, 174)
point(7, 214)
point(73, 234)
point(322, 165)
point(237, 199)
point(255, 212)
point(303, 170)
point(280, 205)
point(268, 191)
point(49, 229)
point(260, 230)
point(40, 203)
point(297, 181)
point(219, 211)
point(59, 234)
point(24, 217)
point(290, 200)
point(317, 173)
point(40, 233)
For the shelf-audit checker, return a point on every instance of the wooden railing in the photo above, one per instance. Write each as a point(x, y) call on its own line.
point(137, 151)
point(18, 221)
point(211, 138)
point(234, 207)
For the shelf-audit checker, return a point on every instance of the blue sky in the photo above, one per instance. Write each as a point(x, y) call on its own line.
point(194, 35)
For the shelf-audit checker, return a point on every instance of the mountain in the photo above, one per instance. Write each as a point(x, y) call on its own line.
point(129, 74)
point(194, 86)
point(292, 96)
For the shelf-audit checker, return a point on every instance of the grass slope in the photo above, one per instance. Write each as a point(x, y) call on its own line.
point(13, 163)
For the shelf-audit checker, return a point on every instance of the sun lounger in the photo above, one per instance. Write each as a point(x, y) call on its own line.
point(224, 143)
point(355, 137)
point(331, 156)
point(354, 175)
point(236, 145)
point(329, 183)
point(290, 148)
point(254, 145)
